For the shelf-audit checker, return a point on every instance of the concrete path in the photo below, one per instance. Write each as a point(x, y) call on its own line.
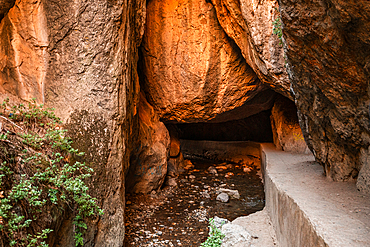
point(307, 209)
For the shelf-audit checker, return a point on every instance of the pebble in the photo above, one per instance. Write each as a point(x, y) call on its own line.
point(191, 177)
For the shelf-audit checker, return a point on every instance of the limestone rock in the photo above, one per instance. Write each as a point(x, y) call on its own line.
point(250, 24)
point(219, 222)
point(234, 194)
point(327, 46)
point(222, 197)
point(149, 161)
point(235, 236)
point(285, 127)
point(193, 71)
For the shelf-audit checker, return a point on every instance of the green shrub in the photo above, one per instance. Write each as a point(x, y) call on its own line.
point(38, 178)
point(277, 27)
point(215, 235)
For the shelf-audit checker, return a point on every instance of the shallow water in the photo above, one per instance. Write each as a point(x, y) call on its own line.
point(179, 216)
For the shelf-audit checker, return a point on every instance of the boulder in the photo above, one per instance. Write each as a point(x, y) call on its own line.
point(23, 50)
point(234, 194)
point(192, 70)
point(148, 167)
point(327, 47)
point(235, 236)
point(223, 197)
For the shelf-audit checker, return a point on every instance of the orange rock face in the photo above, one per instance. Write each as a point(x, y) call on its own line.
point(193, 71)
point(285, 127)
point(149, 160)
point(250, 24)
point(23, 56)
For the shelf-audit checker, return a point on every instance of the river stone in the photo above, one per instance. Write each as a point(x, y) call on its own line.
point(234, 194)
point(235, 236)
point(223, 197)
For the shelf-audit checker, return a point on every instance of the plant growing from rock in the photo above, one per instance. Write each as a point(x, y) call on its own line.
point(277, 27)
point(39, 181)
point(215, 235)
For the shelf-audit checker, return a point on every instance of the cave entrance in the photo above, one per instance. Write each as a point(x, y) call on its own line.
point(207, 160)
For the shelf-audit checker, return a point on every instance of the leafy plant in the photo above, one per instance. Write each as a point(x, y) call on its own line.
point(38, 179)
point(277, 27)
point(215, 236)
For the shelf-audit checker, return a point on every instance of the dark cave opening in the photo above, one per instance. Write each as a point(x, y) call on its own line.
point(255, 128)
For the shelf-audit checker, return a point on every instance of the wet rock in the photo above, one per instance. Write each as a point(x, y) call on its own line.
point(171, 182)
point(234, 194)
point(235, 236)
point(212, 170)
point(205, 194)
point(188, 165)
point(222, 197)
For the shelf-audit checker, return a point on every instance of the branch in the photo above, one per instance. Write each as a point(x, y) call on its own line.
point(11, 122)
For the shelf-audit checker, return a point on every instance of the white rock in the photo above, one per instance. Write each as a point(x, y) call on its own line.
point(223, 197)
point(220, 221)
point(232, 193)
point(235, 236)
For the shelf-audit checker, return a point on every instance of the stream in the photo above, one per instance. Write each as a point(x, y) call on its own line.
point(178, 216)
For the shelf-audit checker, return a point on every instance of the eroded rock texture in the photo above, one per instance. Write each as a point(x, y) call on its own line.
point(250, 24)
point(193, 70)
point(23, 44)
point(285, 127)
point(92, 81)
point(149, 159)
point(328, 47)
point(81, 58)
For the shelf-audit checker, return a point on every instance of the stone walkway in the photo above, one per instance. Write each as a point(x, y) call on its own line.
point(307, 209)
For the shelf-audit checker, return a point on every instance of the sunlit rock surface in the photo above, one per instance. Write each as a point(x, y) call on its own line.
point(250, 24)
point(328, 50)
point(285, 127)
point(23, 49)
point(192, 70)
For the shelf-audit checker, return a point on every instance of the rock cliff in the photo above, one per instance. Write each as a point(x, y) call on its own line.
point(81, 58)
point(328, 49)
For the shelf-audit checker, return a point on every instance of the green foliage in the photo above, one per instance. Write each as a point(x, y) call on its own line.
point(277, 30)
point(215, 236)
point(38, 179)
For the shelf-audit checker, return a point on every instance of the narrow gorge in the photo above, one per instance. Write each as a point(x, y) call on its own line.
point(142, 86)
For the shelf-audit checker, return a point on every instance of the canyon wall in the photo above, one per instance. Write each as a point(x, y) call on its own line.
point(81, 58)
point(211, 61)
point(328, 49)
